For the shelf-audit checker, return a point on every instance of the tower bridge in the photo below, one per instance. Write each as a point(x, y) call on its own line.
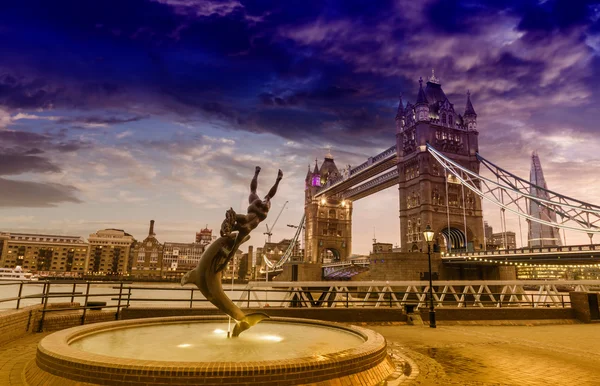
point(435, 163)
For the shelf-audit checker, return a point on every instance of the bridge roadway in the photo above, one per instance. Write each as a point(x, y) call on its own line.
point(581, 254)
point(369, 169)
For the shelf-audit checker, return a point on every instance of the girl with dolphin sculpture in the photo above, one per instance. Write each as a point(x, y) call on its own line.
point(235, 230)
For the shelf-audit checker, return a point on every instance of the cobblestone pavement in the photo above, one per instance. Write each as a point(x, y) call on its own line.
point(500, 355)
point(14, 356)
point(450, 355)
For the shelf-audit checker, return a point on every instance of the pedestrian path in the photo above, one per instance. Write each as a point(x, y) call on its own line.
point(500, 355)
point(449, 355)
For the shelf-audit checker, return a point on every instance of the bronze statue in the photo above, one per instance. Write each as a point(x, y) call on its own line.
point(235, 230)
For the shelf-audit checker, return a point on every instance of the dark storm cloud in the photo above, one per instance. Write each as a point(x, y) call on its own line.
point(34, 194)
point(34, 143)
point(297, 71)
point(12, 164)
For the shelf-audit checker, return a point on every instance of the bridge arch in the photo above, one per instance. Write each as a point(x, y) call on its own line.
point(330, 254)
point(453, 238)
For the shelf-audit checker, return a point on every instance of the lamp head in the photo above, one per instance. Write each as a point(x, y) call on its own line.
point(428, 233)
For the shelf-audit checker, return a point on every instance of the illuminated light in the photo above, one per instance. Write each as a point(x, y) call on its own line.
point(184, 345)
point(219, 331)
point(323, 201)
point(343, 202)
point(272, 338)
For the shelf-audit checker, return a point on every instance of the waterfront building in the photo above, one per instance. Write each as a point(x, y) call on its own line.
point(382, 247)
point(504, 240)
point(44, 254)
point(273, 251)
point(541, 235)
point(148, 257)
point(233, 266)
point(205, 236)
point(178, 258)
point(109, 252)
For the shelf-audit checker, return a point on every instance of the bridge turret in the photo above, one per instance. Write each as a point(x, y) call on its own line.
point(400, 117)
point(470, 117)
point(422, 105)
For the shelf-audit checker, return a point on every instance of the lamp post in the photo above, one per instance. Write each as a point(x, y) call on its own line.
point(429, 237)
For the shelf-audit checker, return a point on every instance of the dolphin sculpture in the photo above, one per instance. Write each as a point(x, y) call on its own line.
point(235, 230)
point(207, 277)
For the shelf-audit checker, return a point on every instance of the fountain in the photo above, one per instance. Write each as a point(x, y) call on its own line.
point(196, 350)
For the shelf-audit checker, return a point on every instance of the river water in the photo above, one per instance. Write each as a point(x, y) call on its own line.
point(142, 294)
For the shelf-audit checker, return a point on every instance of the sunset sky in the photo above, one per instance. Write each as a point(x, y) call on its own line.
point(116, 112)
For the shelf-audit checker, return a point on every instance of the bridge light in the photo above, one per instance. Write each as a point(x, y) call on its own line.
point(323, 201)
point(343, 202)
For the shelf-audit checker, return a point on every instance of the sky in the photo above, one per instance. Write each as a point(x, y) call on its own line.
point(113, 113)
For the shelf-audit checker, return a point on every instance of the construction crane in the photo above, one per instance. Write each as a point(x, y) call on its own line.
point(269, 231)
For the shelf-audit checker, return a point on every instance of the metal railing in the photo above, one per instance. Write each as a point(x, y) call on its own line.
point(348, 294)
point(47, 294)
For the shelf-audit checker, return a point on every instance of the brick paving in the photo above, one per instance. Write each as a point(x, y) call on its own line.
point(500, 355)
point(449, 355)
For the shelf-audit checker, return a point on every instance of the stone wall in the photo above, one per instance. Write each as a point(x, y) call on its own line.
point(399, 266)
point(351, 315)
point(16, 323)
point(477, 314)
point(306, 272)
point(581, 306)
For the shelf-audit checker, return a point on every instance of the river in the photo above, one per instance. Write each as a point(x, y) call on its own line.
point(172, 294)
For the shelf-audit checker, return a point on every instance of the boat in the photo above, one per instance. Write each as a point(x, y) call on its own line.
point(16, 274)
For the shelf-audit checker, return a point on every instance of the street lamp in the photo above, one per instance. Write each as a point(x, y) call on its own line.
point(429, 237)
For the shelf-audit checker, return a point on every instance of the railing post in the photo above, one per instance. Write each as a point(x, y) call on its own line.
point(43, 292)
point(19, 297)
point(119, 303)
point(347, 297)
point(45, 300)
point(73, 292)
point(85, 304)
point(191, 297)
point(248, 300)
point(128, 296)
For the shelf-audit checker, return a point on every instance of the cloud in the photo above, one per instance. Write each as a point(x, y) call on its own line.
point(12, 164)
point(34, 194)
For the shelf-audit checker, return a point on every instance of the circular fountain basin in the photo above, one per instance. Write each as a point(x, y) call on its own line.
point(196, 350)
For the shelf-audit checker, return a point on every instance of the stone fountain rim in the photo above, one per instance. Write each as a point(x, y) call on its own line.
point(56, 348)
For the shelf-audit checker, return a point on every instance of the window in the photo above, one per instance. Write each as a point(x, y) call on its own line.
point(450, 120)
point(443, 118)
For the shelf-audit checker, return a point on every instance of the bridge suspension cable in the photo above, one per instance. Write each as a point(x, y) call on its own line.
point(288, 252)
point(512, 193)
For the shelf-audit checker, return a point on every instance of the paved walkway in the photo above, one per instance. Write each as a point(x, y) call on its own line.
point(450, 355)
point(500, 355)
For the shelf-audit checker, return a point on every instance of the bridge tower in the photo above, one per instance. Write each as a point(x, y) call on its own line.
point(328, 221)
point(453, 211)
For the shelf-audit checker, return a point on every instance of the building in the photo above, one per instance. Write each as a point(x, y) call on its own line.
point(487, 232)
point(382, 247)
point(231, 271)
point(427, 195)
point(273, 251)
point(148, 257)
point(109, 252)
point(178, 258)
point(205, 236)
point(328, 221)
point(44, 254)
point(540, 235)
point(504, 240)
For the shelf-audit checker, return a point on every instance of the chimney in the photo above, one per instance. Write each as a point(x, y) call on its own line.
point(251, 261)
point(151, 231)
